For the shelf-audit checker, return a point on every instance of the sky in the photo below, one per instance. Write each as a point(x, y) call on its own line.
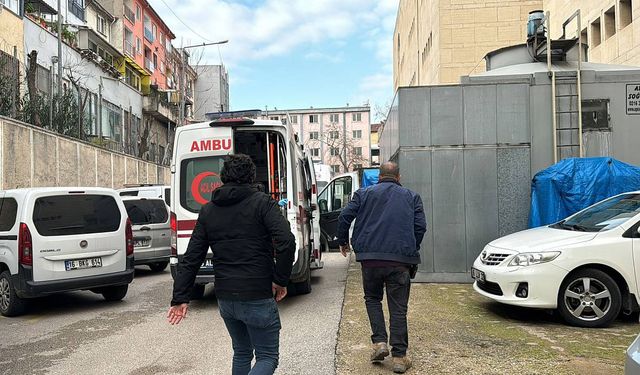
point(292, 54)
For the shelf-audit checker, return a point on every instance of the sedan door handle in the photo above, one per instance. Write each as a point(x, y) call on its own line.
point(145, 228)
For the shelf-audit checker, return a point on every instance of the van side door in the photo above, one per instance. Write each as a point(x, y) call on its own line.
point(331, 201)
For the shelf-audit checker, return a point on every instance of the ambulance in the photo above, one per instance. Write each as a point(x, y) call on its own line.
point(283, 170)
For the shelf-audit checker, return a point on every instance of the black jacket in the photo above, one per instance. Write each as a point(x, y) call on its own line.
point(244, 228)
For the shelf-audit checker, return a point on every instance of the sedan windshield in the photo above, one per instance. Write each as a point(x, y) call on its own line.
point(603, 216)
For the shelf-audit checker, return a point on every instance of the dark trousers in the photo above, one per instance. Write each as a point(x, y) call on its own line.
point(253, 326)
point(398, 284)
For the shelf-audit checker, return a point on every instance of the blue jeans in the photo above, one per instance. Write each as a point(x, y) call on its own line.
point(253, 326)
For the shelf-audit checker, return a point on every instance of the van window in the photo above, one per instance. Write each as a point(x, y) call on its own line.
point(133, 193)
point(145, 211)
point(63, 215)
point(167, 196)
point(337, 195)
point(8, 212)
point(199, 177)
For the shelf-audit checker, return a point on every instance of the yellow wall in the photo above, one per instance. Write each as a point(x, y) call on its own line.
point(441, 40)
point(11, 33)
point(621, 47)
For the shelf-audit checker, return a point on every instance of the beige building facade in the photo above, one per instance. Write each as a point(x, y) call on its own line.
point(611, 28)
point(437, 41)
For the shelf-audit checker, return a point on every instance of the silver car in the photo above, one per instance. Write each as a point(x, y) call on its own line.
point(632, 363)
point(151, 231)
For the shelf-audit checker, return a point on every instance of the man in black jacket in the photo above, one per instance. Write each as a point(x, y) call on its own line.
point(243, 227)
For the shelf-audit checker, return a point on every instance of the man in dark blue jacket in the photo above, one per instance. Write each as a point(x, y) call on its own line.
point(389, 228)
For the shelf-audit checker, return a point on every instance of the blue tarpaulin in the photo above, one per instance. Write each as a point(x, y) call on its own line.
point(573, 184)
point(370, 177)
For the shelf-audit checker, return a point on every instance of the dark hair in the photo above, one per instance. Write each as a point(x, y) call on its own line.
point(238, 168)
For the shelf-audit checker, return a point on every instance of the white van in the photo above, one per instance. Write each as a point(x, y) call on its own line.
point(147, 191)
point(283, 171)
point(61, 239)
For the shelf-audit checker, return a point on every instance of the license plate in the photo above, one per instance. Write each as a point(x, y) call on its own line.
point(140, 243)
point(80, 264)
point(208, 263)
point(477, 274)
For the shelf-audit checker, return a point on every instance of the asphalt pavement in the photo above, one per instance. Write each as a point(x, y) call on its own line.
point(80, 333)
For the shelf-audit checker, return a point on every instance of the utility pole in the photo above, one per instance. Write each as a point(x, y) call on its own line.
point(59, 49)
point(183, 90)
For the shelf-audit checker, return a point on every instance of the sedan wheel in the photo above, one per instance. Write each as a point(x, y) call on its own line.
point(589, 298)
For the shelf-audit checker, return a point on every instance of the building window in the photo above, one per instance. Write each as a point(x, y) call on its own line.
point(138, 16)
point(102, 26)
point(162, 40)
point(335, 151)
point(583, 35)
point(334, 134)
point(314, 135)
point(155, 60)
point(357, 151)
point(139, 46)
point(294, 119)
point(334, 118)
point(626, 13)
point(357, 134)
point(132, 78)
point(335, 168)
point(610, 22)
point(76, 7)
point(275, 118)
point(12, 5)
point(595, 114)
point(315, 152)
point(595, 33)
point(357, 166)
point(313, 119)
point(154, 30)
point(356, 117)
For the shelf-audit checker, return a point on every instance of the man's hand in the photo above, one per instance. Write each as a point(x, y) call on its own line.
point(345, 249)
point(177, 313)
point(279, 291)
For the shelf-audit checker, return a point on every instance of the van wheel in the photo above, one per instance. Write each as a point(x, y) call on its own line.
point(10, 303)
point(158, 267)
point(198, 291)
point(115, 293)
point(303, 287)
point(589, 298)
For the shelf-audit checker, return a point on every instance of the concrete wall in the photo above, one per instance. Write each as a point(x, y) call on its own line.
point(33, 157)
point(623, 47)
point(438, 41)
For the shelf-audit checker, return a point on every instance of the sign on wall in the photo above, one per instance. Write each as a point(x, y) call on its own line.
point(633, 99)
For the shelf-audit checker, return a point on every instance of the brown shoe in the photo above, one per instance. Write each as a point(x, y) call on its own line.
point(401, 364)
point(380, 351)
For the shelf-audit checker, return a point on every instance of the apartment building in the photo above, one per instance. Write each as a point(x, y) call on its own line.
point(611, 28)
point(212, 90)
point(437, 41)
point(339, 137)
point(375, 146)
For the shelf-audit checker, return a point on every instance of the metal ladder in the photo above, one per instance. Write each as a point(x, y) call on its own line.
point(566, 101)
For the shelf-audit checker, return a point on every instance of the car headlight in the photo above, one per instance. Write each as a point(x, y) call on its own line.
point(528, 259)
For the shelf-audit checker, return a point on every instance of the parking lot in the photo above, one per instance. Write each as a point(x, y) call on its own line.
point(453, 330)
point(80, 333)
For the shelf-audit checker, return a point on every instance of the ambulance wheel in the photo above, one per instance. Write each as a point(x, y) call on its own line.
point(198, 291)
point(303, 287)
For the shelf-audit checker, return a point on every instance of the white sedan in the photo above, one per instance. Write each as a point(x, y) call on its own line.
point(584, 266)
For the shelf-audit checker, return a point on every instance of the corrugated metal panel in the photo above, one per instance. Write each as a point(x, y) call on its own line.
point(481, 200)
point(448, 211)
point(389, 140)
point(513, 114)
point(446, 111)
point(480, 115)
point(414, 106)
point(415, 167)
point(514, 187)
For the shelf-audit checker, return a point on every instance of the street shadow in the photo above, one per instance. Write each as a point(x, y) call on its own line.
point(144, 271)
point(68, 303)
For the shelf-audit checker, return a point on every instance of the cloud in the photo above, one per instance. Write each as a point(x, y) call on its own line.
point(320, 56)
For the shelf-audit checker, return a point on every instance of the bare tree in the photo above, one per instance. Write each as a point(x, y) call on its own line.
point(31, 84)
point(343, 147)
point(381, 111)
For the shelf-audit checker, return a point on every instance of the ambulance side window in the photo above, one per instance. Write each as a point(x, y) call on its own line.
point(324, 199)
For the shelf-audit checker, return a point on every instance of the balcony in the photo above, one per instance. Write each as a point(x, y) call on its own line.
point(148, 64)
point(129, 49)
point(148, 35)
point(128, 14)
point(157, 105)
point(77, 9)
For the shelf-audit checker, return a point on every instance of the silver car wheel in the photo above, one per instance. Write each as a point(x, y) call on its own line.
point(5, 294)
point(587, 299)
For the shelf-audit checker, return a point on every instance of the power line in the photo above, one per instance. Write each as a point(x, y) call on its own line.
point(181, 21)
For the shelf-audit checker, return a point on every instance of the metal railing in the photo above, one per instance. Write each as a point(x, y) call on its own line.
point(77, 9)
point(129, 49)
point(148, 64)
point(128, 14)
